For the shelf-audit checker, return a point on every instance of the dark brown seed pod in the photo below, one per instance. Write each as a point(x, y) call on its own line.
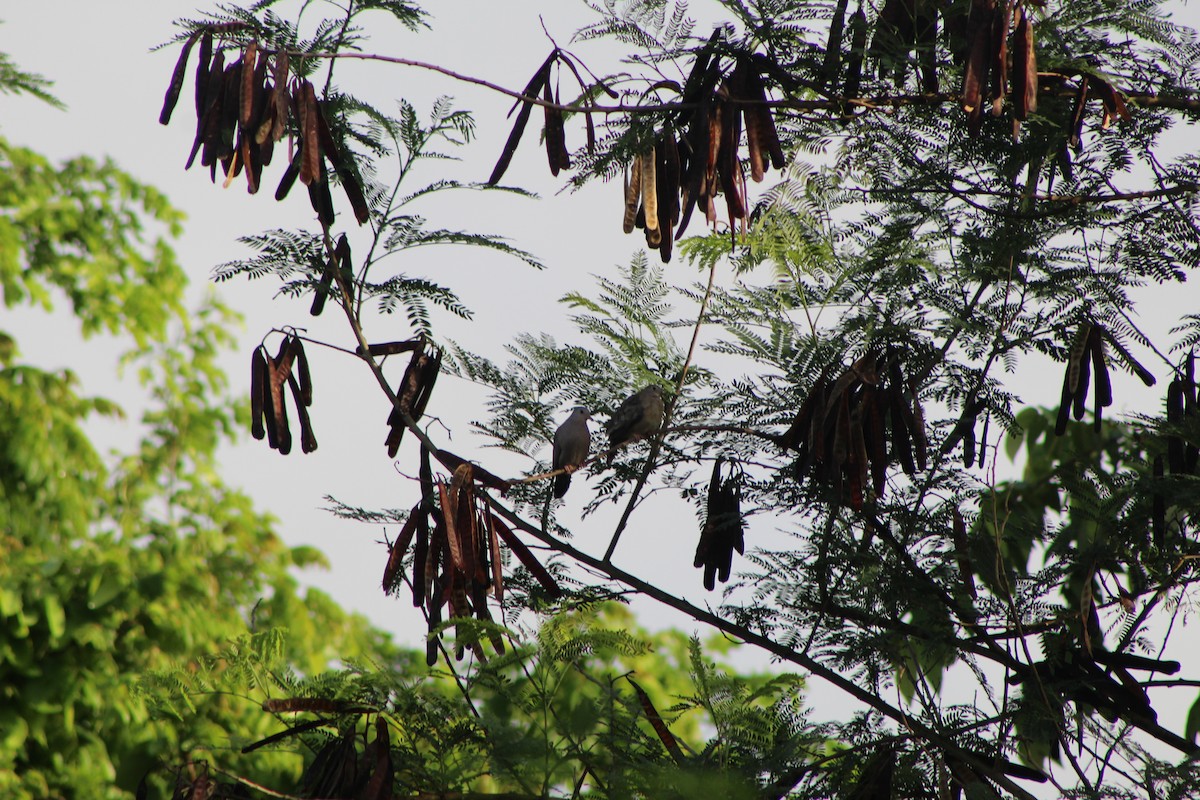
point(248, 89)
point(526, 557)
point(393, 348)
point(1064, 406)
point(1079, 395)
point(858, 47)
point(1143, 374)
point(554, 134)
point(656, 721)
point(979, 62)
point(324, 286)
point(280, 95)
point(1001, 21)
point(969, 445)
point(1075, 138)
point(301, 361)
point(319, 196)
point(1024, 79)
point(288, 180)
point(279, 370)
point(917, 427)
point(201, 78)
point(392, 574)
point(532, 89)
point(875, 437)
point(901, 436)
point(925, 29)
point(420, 556)
point(258, 378)
point(308, 440)
point(208, 122)
point(668, 192)
point(1078, 352)
point(342, 166)
point(176, 84)
point(831, 65)
point(310, 142)
point(1176, 459)
point(983, 442)
point(962, 552)
point(1158, 512)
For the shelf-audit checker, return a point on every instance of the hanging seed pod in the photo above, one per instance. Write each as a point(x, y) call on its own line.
point(176, 84)
point(526, 557)
point(1075, 138)
point(925, 30)
point(649, 190)
point(1001, 21)
point(305, 98)
point(858, 46)
point(258, 378)
point(308, 440)
point(247, 88)
point(532, 89)
point(1025, 80)
point(633, 192)
point(554, 134)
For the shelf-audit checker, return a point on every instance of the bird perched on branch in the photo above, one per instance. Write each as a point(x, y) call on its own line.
point(638, 416)
point(572, 442)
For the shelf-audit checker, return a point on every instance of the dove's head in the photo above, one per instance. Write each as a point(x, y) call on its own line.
point(581, 412)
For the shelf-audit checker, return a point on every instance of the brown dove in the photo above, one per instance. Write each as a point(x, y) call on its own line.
point(639, 416)
point(572, 442)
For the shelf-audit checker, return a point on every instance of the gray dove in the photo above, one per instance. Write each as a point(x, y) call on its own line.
point(572, 442)
point(639, 416)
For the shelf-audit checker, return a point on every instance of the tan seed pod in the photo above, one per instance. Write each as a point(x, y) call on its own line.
point(633, 190)
point(649, 190)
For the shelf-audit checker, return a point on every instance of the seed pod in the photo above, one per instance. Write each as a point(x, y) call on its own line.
point(532, 89)
point(555, 134)
point(1176, 459)
point(527, 558)
point(208, 122)
point(649, 190)
point(1025, 82)
point(962, 551)
point(258, 377)
point(247, 88)
point(858, 46)
point(1143, 374)
point(1079, 349)
point(201, 78)
point(1075, 138)
point(633, 190)
point(1001, 20)
point(176, 84)
point(308, 440)
point(319, 196)
point(288, 180)
point(305, 98)
point(1158, 513)
point(1079, 396)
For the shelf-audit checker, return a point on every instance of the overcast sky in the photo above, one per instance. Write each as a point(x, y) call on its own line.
point(98, 55)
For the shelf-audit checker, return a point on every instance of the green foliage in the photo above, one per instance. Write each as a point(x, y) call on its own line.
point(907, 247)
point(557, 712)
point(114, 567)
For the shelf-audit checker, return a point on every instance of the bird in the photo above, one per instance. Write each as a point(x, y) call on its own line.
point(572, 442)
point(638, 416)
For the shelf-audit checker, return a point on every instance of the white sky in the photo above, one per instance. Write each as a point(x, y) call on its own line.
point(98, 55)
